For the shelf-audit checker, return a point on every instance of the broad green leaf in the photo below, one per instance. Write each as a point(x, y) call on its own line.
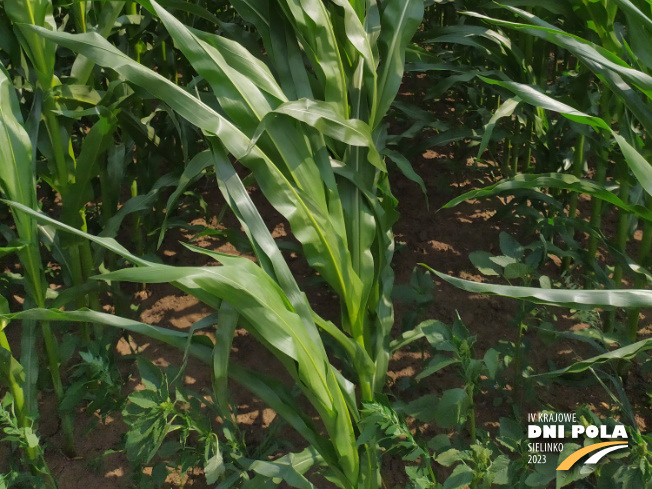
point(145, 399)
point(499, 470)
point(452, 406)
point(424, 408)
point(436, 363)
point(491, 360)
point(449, 457)
point(461, 477)
point(510, 247)
point(517, 270)
point(150, 374)
point(482, 261)
point(214, 466)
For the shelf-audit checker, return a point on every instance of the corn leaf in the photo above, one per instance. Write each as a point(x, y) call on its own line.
point(325, 248)
point(636, 162)
point(576, 299)
point(399, 21)
point(551, 180)
point(313, 27)
point(24, 13)
point(191, 173)
point(323, 117)
point(625, 353)
point(17, 183)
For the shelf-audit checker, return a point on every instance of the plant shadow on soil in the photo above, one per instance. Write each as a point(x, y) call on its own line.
point(442, 239)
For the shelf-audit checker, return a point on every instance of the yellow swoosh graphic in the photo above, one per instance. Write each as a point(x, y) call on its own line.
point(575, 456)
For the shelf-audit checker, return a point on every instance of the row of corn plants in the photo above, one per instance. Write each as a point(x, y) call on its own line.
point(614, 131)
point(523, 72)
point(59, 138)
point(526, 72)
point(304, 115)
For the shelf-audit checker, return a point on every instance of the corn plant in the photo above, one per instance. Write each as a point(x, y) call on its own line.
point(517, 136)
point(624, 120)
point(70, 183)
point(307, 121)
point(52, 147)
point(17, 182)
point(485, 459)
point(34, 61)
